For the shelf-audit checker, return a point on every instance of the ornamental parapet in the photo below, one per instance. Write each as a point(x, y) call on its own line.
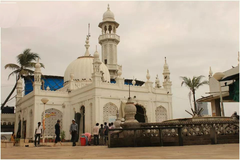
point(108, 36)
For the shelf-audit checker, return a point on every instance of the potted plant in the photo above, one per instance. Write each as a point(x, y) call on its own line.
point(62, 135)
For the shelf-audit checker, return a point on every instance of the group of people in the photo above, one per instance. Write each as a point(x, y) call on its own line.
point(39, 132)
point(98, 133)
point(101, 131)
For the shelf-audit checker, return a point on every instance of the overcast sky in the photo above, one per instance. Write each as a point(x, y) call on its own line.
point(192, 35)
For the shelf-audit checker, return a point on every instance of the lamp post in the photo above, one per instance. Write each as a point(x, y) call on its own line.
point(44, 101)
point(218, 76)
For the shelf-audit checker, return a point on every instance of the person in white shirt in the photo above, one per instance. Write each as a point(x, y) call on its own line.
point(96, 134)
point(38, 133)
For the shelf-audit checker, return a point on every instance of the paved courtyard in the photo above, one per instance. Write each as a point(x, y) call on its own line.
point(221, 151)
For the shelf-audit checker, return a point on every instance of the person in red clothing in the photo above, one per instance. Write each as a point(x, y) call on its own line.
point(88, 138)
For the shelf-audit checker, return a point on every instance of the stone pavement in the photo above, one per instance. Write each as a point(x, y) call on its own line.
point(219, 151)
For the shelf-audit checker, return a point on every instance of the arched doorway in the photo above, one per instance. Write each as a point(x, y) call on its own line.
point(82, 120)
point(141, 114)
point(160, 114)
point(77, 120)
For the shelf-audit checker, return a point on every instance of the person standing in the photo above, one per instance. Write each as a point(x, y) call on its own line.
point(74, 131)
point(105, 132)
point(101, 132)
point(13, 138)
point(38, 133)
point(96, 134)
point(57, 132)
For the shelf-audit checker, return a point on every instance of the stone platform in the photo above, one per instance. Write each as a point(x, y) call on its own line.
point(218, 151)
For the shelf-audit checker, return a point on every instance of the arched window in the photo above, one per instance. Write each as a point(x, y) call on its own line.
point(109, 112)
point(51, 117)
point(160, 114)
point(110, 29)
point(105, 29)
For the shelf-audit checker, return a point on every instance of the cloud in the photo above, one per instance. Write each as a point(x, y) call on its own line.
point(192, 35)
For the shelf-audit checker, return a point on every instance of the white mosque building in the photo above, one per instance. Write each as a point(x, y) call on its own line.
point(88, 94)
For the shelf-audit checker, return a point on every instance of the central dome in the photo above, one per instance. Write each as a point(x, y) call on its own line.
point(108, 15)
point(82, 68)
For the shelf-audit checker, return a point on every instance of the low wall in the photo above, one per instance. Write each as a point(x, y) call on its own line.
point(167, 133)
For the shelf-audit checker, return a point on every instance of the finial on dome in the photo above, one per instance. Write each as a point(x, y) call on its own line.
point(165, 59)
point(210, 72)
point(37, 65)
point(108, 7)
point(148, 75)
point(133, 81)
point(87, 42)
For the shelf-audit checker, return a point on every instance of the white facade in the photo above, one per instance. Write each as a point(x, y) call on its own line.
point(93, 98)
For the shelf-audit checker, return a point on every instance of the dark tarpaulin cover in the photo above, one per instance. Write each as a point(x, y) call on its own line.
point(234, 91)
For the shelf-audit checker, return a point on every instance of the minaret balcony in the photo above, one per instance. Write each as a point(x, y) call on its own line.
point(108, 36)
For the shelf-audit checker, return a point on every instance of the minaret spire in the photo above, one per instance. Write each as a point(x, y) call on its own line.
point(87, 41)
point(210, 72)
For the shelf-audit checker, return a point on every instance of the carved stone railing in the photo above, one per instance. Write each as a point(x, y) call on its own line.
point(177, 133)
point(198, 128)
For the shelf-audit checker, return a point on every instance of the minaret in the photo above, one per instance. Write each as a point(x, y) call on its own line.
point(37, 77)
point(19, 90)
point(96, 75)
point(109, 41)
point(166, 75)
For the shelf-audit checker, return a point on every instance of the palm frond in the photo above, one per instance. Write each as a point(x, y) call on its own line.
point(14, 72)
point(186, 81)
point(202, 83)
point(27, 57)
point(12, 66)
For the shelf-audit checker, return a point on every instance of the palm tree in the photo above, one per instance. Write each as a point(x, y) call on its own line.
point(193, 84)
point(23, 68)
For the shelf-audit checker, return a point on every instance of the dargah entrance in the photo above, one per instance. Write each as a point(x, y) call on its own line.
point(51, 117)
point(141, 114)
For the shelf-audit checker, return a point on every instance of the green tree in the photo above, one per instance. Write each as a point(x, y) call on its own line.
point(193, 84)
point(25, 62)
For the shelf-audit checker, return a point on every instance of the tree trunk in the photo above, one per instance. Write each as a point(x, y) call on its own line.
point(10, 94)
point(195, 105)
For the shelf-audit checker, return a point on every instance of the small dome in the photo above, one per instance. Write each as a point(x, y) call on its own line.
point(37, 65)
point(96, 54)
point(108, 15)
point(82, 68)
